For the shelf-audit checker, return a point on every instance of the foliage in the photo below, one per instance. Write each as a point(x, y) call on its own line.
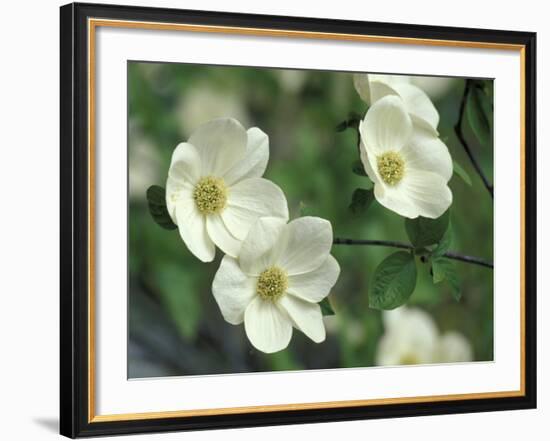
point(423, 232)
point(156, 197)
point(393, 281)
point(479, 111)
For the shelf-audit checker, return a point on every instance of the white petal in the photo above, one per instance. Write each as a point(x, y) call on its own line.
point(254, 162)
point(379, 90)
point(453, 347)
point(184, 171)
point(315, 285)
point(221, 236)
point(220, 143)
point(427, 191)
point(268, 328)
point(174, 189)
point(383, 85)
point(418, 104)
point(392, 318)
point(394, 199)
point(192, 227)
point(395, 348)
point(369, 163)
point(387, 126)
point(185, 165)
point(411, 335)
point(427, 152)
point(304, 245)
point(233, 290)
point(418, 325)
point(361, 84)
point(250, 199)
point(390, 80)
point(307, 317)
point(256, 250)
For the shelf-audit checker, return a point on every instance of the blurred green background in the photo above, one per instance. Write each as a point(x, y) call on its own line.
point(175, 326)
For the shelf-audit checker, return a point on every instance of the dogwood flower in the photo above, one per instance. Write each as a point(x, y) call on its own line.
point(434, 87)
point(282, 272)
point(418, 105)
point(409, 165)
point(411, 337)
point(215, 191)
point(452, 347)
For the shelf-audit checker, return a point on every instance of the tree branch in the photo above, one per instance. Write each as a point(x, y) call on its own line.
point(394, 244)
point(462, 139)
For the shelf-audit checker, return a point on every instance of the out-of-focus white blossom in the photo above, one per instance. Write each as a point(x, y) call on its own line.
point(203, 103)
point(291, 81)
point(143, 164)
point(411, 337)
point(453, 347)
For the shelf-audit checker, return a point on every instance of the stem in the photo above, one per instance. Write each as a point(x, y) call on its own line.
point(394, 244)
point(462, 139)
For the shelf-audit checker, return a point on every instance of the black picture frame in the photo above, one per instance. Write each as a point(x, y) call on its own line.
point(74, 226)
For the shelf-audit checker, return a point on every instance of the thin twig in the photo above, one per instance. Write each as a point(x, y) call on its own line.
point(469, 259)
point(462, 139)
point(394, 244)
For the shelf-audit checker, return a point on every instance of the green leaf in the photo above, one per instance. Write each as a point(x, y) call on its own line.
point(459, 171)
point(479, 113)
point(156, 197)
point(353, 121)
point(342, 126)
point(355, 116)
point(445, 243)
point(444, 270)
point(393, 281)
point(361, 200)
point(423, 231)
point(358, 168)
point(326, 307)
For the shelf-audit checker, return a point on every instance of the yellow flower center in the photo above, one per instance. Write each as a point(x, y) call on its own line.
point(210, 195)
point(272, 283)
point(391, 167)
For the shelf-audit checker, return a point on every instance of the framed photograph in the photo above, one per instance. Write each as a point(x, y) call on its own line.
point(274, 220)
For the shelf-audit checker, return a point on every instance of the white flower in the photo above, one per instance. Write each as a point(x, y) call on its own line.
point(411, 337)
point(453, 347)
point(215, 192)
point(372, 88)
point(282, 272)
point(409, 165)
point(291, 81)
point(434, 87)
